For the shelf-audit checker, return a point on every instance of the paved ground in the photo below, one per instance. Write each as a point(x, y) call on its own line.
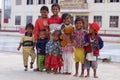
point(11, 68)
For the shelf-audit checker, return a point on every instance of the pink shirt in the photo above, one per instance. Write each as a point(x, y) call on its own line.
point(78, 37)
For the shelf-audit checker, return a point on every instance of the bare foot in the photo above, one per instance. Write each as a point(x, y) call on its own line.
point(87, 76)
point(95, 76)
point(75, 75)
point(82, 75)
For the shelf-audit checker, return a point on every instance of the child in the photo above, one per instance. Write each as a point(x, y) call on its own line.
point(67, 49)
point(40, 24)
point(78, 38)
point(27, 42)
point(93, 43)
point(53, 53)
point(55, 19)
point(41, 43)
point(66, 21)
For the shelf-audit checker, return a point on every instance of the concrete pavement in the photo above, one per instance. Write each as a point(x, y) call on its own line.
point(11, 68)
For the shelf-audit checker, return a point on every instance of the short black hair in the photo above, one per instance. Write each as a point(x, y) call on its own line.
point(56, 5)
point(29, 25)
point(44, 8)
point(42, 30)
point(65, 15)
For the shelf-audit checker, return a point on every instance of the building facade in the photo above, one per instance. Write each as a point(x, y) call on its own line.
point(17, 13)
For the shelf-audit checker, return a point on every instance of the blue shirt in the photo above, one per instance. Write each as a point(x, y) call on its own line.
point(41, 43)
point(53, 48)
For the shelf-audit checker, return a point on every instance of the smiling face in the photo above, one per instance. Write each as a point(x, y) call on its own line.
point(44, 13)
point(42, 35)
point(67, 20)
point(91, 30)
point(79, 25)
point(29, 30)
point(55, 10)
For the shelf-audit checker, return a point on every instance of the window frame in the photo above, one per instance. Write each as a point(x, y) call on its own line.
point(29, 2)
point(98, 1)
point(98, 19)
point(19, 2)
point(18, 22)
point(114, 23)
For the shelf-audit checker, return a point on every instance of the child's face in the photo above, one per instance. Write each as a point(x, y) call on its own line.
point(55, 10)
point(67, 20)
point(29, 30)
point(42, 35)
point(91, 30)
point(55, 37)
point(44, 13)
point(79, 25)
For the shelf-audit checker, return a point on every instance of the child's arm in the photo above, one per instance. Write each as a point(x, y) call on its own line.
point(86, 40)
point(19, 46)
point(101, 43)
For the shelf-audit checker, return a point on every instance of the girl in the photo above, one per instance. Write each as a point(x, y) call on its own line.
point(55, 19)
point(27, 42)
point(53, 52)
point(68, 48)
point(78, 38)
point(93, 43)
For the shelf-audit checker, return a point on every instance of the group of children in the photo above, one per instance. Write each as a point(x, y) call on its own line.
point(59, 44)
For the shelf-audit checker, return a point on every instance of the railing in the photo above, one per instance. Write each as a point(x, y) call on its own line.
point(115, 33)
point(6, 28)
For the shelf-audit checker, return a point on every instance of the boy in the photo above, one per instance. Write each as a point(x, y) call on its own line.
point(93, 44)
point(27, 42)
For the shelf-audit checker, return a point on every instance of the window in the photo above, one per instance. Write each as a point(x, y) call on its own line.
point(29, 2)
point(41, 1)
point(28, 19)
point(17, 20)
point(18, 2)
point(98, 1)
point(114, 0)
point(98, 19)
point(54, 1)
point(114, 21)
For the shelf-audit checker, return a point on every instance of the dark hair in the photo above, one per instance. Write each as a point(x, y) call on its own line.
point(42, 30)
point(55, 5)
point(29, 25)
point(79, 19)
point(44, 8)
point(65, 15)
point(57, 32)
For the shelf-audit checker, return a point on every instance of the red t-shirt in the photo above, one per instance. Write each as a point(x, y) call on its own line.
point(39, 26)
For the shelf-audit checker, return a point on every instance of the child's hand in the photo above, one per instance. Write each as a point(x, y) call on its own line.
point(18, 48)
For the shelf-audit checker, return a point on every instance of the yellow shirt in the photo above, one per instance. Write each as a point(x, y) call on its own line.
point(27, 42)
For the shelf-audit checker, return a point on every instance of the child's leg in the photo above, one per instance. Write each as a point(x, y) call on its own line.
point(33, 56)
point(76, 68)
point(94, 66)
point(95, 76)
point(25, 59)
point(82, 70)
point(37, 63)
point(88, 73)
point(41, 62)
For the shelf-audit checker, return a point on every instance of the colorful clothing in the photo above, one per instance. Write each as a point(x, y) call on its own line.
point(41, 43)
point(41, 62)
point(54, 50)
point(54, 23)
point(39, 25)
point(94, 45)
point(79, 55)
point(28, 45)
point(78, 36)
